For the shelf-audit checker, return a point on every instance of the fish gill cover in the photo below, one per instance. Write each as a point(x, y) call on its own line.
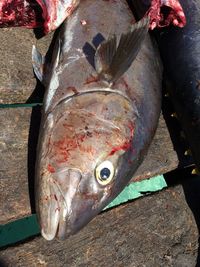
point(50, 14)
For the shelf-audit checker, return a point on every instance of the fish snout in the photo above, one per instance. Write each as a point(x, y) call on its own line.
point(56, 211)
point(81, 213)
point(84, 205)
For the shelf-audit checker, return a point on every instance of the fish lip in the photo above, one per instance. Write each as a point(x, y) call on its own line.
point(59, 232)
point(58, 229)
point(51, 235)
point(48, 237)
point(56, 223)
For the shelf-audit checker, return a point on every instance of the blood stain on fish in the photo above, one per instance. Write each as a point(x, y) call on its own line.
point(91, 79)
point(73, 89)
point(50, 168)
point(127, 144)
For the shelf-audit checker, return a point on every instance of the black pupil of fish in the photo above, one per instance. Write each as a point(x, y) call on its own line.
point(105, 173)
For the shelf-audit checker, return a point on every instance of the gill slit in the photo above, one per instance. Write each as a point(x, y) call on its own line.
point(106, 90)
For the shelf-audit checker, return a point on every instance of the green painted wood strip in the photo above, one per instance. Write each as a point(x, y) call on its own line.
point(138, 189)
point(19, 105)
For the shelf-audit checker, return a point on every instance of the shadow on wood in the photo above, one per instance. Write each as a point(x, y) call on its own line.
point(176, 133)
point(32, 150)
point(191, 189)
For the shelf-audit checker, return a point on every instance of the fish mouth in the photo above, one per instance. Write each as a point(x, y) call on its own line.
point(51, 234)
point(70, 209)
point(57, 212)
point(58, 228)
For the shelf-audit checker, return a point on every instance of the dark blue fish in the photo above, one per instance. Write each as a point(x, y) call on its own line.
point(180, 51)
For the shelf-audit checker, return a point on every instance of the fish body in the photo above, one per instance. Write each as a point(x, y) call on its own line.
point(101, 110)
point(180, 51)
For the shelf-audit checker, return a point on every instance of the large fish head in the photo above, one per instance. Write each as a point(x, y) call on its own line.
point(86, 157)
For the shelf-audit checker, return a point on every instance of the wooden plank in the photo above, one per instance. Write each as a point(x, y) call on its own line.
point(158, 230)
point(18, 139)
point(17, 81)
point(13, 163)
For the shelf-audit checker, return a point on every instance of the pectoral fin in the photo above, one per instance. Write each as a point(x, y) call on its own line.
point(112, 61)
point(42, 68)
point(38, 63)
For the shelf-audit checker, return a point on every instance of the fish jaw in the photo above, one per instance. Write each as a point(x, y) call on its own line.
point(69, 206)
point(76, 137)
point(56, 208)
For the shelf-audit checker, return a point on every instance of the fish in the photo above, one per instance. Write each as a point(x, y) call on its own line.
point(180, 52)
point(46, 14)
point(100, 113)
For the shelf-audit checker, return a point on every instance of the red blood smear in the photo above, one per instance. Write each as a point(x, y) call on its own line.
point(165, 12)
point(26, 13)
point(51, 168)
point(91, 79)
point(124, 147)
point(73, 89)
point(127, 144)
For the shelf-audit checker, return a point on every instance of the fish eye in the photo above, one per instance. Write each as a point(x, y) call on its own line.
point(104, 172)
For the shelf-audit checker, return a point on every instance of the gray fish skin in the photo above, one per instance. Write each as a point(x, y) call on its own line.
point(96, 126)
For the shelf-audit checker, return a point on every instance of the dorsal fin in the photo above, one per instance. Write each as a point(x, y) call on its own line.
point(112, 61)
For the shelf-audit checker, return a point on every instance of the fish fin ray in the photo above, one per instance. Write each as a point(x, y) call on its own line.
point(111, 62)
point(58, 53)
point(104, 54)
point(43, 66)
point(38, 63)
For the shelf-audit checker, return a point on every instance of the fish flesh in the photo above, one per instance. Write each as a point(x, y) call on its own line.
point(39, 13)
point(100, 113)
point(180, 52)
point(17, 13)
point(165, 12)
point(50, 14)
point(162, 13)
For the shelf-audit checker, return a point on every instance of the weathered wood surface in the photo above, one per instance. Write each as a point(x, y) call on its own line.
point(17, 158)
point(17, 81)
point(158, 230)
